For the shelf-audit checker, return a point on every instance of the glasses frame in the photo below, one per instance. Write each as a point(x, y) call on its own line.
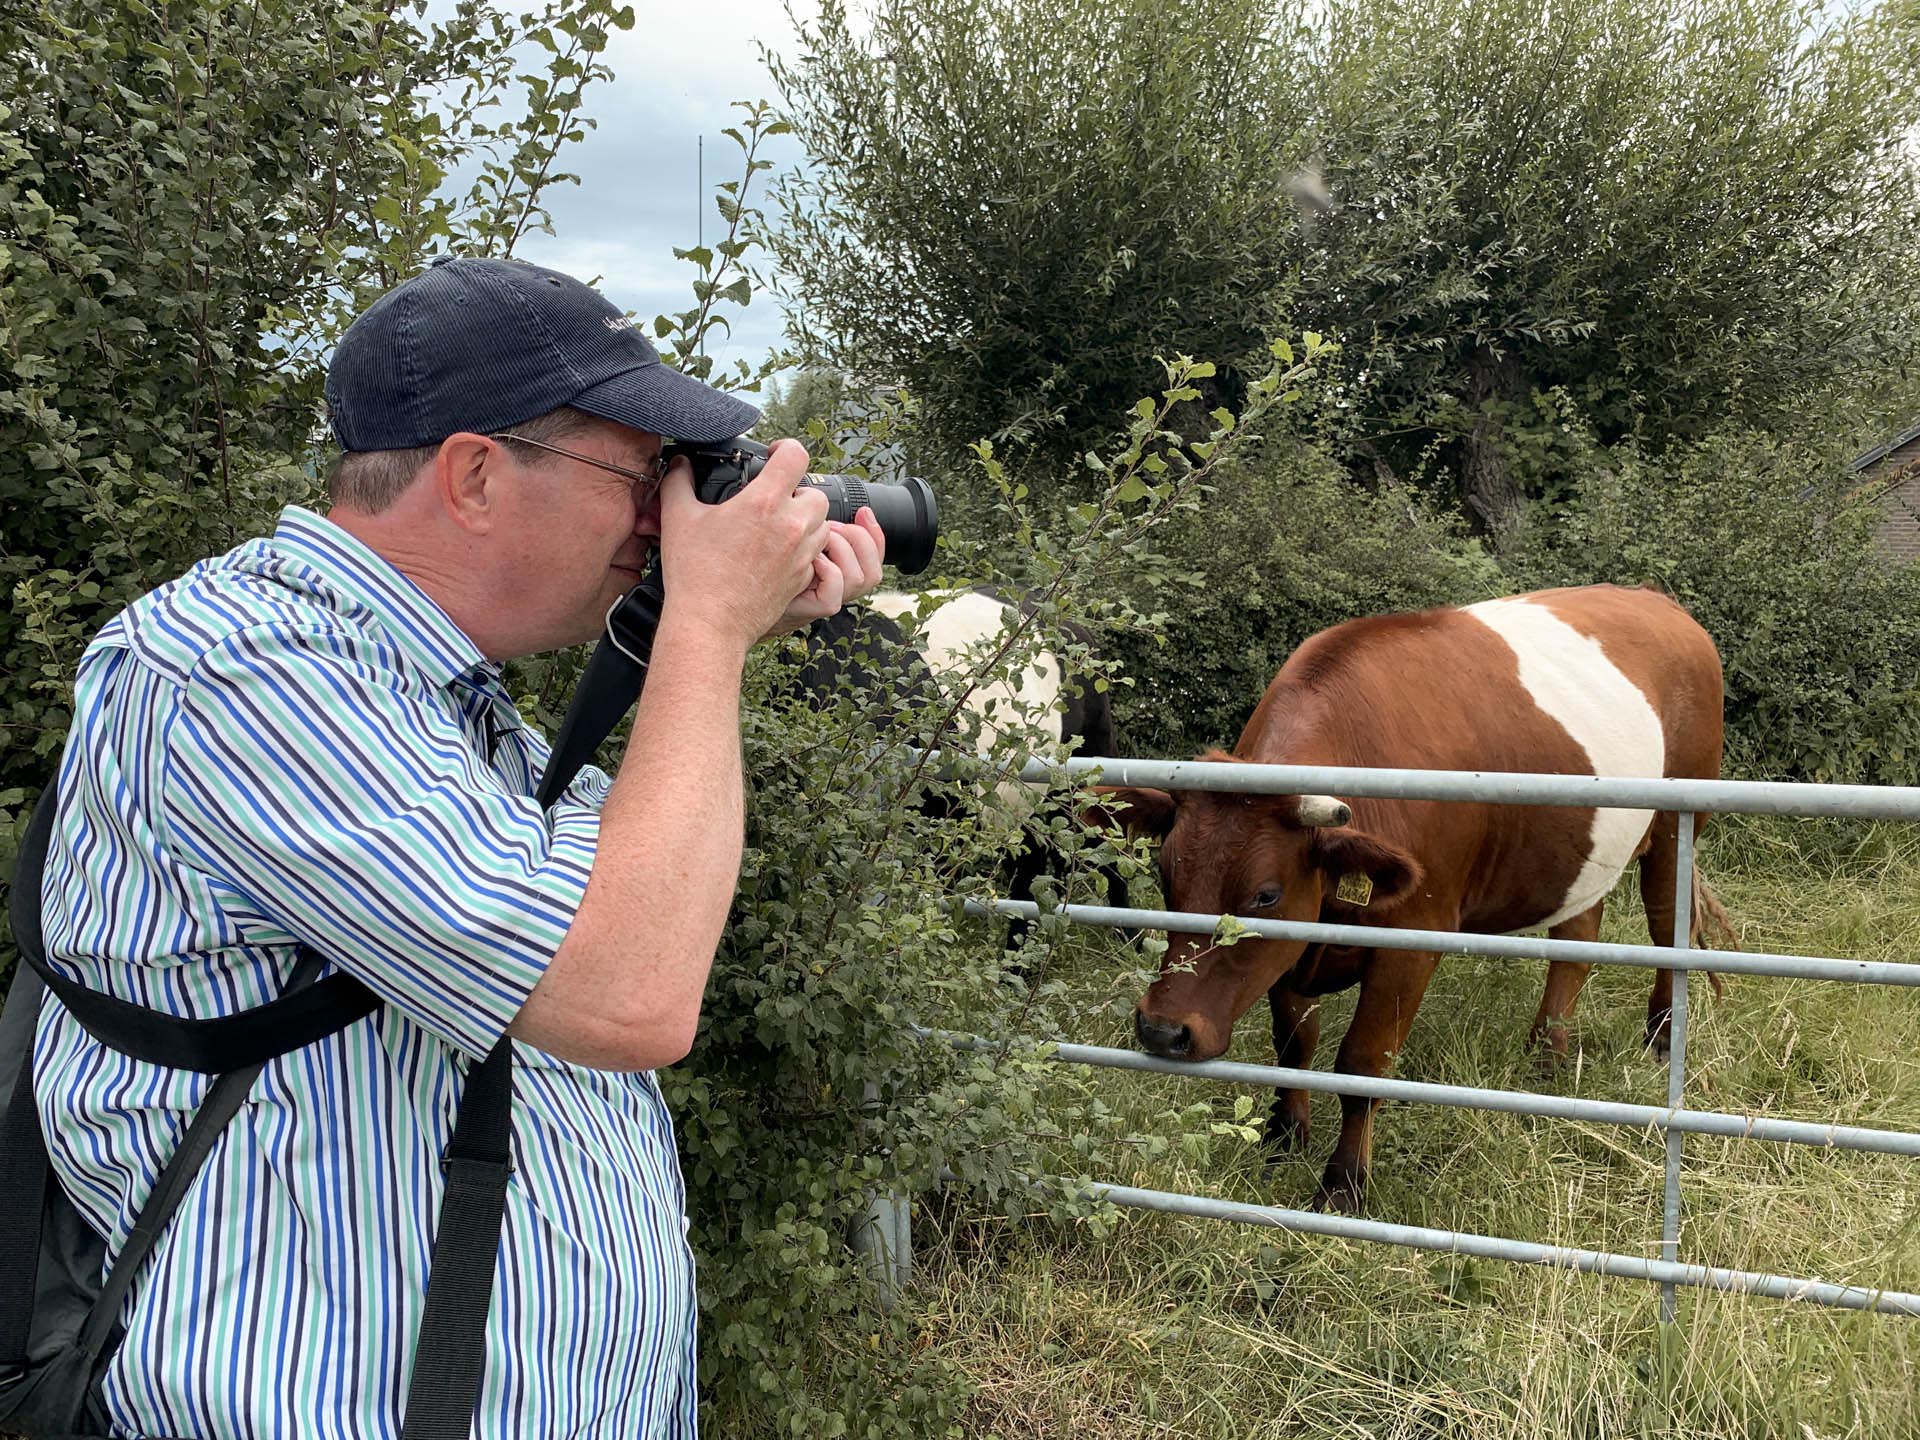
point(652, 476)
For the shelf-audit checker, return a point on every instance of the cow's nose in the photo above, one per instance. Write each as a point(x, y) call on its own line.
point(1163, 1038)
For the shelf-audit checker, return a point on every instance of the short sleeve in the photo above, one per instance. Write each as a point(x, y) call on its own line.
point(331, 788)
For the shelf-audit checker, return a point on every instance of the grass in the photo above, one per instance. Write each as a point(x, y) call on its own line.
point(1169, 1326)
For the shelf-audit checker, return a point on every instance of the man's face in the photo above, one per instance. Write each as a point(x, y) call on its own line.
point(579, 537)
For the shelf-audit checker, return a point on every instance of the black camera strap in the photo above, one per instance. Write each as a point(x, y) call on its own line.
point(611, 683)
point(447, 1369)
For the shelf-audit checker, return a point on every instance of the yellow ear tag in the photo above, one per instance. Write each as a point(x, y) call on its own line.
point(1354, 888)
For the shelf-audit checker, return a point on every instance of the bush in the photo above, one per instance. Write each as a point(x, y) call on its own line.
point(809, 1089)
point(193, 202)
point(1765, 544)
point(1285, 547)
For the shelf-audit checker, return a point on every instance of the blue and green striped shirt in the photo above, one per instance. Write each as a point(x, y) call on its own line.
point(293, 743)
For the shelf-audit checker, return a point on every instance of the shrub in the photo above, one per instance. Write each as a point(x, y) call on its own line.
point(809, 1089)
point(193, 201)
point(1765, 543)
point(1285, 547)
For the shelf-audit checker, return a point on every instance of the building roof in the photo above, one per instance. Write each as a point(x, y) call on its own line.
point(1880, 452)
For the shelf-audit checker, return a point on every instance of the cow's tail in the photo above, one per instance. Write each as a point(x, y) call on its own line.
point(1710, 915)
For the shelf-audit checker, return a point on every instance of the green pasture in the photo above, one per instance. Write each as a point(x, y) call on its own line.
point(1173, 1326)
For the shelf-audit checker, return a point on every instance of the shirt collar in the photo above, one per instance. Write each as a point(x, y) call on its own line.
point(421, 629)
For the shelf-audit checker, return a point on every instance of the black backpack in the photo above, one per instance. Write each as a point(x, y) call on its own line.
point(59, 1318)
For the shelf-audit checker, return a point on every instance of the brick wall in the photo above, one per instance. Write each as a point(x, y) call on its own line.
point(1900, 529)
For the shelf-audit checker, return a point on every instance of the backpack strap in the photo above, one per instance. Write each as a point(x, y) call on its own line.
point(229, 1092)
point(308, 1009)
point(444, 1389)
point(24, 1177)
point(295, 1018)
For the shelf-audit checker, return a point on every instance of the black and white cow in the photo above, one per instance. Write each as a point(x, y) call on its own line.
point(862, 643)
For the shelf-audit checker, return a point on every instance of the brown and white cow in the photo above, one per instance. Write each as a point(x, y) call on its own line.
point(1592, 681)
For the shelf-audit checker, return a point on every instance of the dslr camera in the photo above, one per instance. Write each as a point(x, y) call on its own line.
point(908, 515)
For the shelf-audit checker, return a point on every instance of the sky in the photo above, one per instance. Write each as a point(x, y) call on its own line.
point(675, 75)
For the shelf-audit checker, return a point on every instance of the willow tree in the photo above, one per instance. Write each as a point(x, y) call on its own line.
point(1650, 216)
point(1677, 217)
point(1013, 206)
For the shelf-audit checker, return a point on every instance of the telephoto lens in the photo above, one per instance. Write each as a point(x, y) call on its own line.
point(908, 514)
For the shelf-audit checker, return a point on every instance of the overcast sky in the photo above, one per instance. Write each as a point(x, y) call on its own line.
point(676, 73)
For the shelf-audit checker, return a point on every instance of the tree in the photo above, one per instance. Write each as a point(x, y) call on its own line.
point(192, 201)
point(1013, 206)
point(1663, 214)
point(1686, 215)
point(810, 395)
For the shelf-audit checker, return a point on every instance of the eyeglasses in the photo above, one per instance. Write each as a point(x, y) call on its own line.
point(653, 475)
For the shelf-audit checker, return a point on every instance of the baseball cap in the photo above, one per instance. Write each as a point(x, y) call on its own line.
point(481, 344)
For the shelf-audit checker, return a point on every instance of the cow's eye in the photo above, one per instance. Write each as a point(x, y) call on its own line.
point(1266, 899)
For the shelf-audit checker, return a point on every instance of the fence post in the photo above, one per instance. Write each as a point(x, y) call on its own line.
point(883, 1236)
point(1677, 1053)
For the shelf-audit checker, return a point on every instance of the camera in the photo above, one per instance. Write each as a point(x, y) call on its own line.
point(908, 515)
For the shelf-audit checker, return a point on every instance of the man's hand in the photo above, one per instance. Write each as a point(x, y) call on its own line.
point(736, 568)
point(848, 568)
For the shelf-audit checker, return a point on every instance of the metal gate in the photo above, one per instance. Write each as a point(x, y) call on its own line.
point(887, 1237)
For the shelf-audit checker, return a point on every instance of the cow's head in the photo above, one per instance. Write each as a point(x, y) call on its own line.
point(1269, 857)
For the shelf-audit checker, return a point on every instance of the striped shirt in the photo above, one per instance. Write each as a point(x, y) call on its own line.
point(292, 743)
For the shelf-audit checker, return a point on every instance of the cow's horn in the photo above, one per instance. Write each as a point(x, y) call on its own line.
point(1318, 810)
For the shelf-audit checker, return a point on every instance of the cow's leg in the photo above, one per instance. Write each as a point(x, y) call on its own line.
point(1296, 1030)
point(1119, 897)
point(1029, 863)
point(1564, 979)
point(1390, 994)
point(1658, 867)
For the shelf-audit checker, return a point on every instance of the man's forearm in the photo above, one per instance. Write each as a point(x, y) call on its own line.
point(623, 991)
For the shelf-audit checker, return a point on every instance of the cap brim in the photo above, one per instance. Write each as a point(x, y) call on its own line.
point(662, 400)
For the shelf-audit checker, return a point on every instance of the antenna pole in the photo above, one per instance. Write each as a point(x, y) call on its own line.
point(700, 210)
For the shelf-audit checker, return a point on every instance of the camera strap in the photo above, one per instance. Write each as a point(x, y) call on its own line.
point(611, 683)
point(446, 1379)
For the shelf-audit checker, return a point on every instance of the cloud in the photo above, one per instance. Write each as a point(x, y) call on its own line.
point(676, 73)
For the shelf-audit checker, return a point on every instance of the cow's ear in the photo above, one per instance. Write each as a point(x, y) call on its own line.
point(1136, 811)
point(1363, 871)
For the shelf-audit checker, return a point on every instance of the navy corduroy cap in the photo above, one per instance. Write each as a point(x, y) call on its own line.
point(481, 345)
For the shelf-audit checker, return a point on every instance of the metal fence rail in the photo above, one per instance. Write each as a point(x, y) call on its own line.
point(1493, 1247)
point(1512, 947)
point(1503, 787)
point(1682, 797)
point(1469, 1097)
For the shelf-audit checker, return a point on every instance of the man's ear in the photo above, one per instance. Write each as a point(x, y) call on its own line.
point(1362, 870)
point(463, 476)
point(1136, 811)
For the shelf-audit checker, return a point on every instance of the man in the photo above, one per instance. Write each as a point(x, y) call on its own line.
point(306, 741)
